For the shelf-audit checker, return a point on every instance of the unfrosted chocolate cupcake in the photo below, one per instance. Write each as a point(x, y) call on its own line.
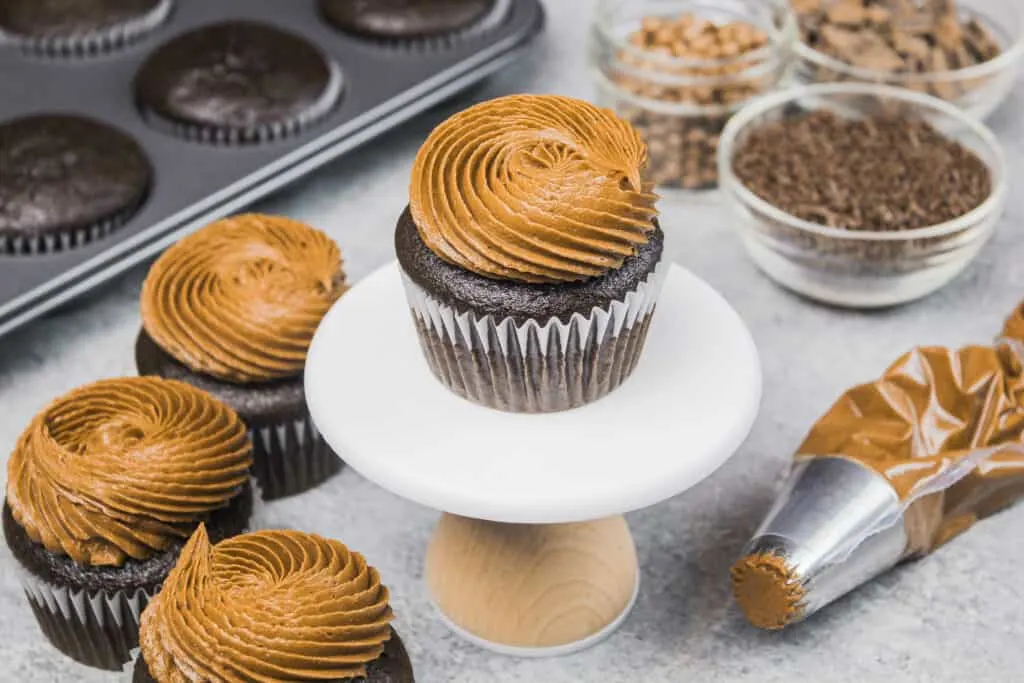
point(103, 489)
point(530, 252)
point(232, 309)
point(237, 82)
point(406, 19)
point(271, 606)
point(66, 181)
point(59, 27)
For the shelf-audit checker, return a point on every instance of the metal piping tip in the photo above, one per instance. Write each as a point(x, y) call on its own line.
point(836, 525)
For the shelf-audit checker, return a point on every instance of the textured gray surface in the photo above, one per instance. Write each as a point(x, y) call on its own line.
point(956, 616)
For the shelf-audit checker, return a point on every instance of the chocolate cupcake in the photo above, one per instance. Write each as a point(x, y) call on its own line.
point(531, 252)
point(236, 82)
point(232, 310)
point(410, 20)
point(81, 27)
point(103, 490)
point(271, 606)
point(66, 181)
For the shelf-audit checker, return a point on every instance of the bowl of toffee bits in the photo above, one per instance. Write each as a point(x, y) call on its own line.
point(963, 51)
point(679, 69)
point(861, 195)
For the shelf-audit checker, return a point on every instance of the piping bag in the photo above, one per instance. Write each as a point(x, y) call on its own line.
point(894, 470)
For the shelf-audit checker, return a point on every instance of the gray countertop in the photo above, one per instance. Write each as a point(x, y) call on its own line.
point(955, 616)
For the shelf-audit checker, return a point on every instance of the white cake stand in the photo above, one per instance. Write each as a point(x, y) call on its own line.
point(532, 556)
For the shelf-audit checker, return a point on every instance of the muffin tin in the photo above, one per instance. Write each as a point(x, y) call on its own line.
point(384, 84)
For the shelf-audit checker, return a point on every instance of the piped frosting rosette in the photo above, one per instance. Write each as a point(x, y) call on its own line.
point(533, 189)
point(120, 468)
point(531, 263)
point(241, 299)
point(266, 606)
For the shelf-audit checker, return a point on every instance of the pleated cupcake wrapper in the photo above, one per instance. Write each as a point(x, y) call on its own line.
point(492, 20)
point(291, 457)
point(99, 628)
point(227, 136)
point(93, 42)
point(37, 245)
point(536, 366)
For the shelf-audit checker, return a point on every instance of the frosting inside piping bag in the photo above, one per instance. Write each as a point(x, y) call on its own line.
point(944, 427)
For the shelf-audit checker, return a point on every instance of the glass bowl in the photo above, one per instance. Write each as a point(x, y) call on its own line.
point(858, 268)
point(680, 104)
point(978, 90)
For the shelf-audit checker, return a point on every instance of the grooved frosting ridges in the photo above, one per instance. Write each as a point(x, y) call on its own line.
point(119, 468)
point(240, 299)
point(530, 188)
point(266, 606)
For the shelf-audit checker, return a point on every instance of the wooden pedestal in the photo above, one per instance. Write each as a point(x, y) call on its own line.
point(532, 586)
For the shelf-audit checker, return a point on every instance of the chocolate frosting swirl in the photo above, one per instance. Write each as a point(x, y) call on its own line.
point(241, 299)
point(533, 188)
point(122, 467)
point(266, 606)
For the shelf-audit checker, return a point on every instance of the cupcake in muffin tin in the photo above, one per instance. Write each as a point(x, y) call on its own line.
point(79, 27)
point(232, 310)
point(237, 82)
point(66, 181)
point(531, 252)
point(413, 23)
point(104, 488)
point(271, 606)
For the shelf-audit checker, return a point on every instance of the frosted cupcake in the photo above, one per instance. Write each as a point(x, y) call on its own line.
point(531, 252)
point(271, 606)
point(232, 310)
point(104, 488)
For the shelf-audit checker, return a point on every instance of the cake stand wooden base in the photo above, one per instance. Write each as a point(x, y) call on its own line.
point(532, 589)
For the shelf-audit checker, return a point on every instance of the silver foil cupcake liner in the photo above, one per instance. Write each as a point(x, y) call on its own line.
point(93, 42)
point(226, 136)
point(537, 366)
point(836, 525)
point(291, 457)
point(96, 628)
point(99, 628)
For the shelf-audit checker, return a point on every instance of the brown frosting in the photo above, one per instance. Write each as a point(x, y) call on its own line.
point(533, 188)
point(930, 411)
point(122, 467)
point(241, 299)
point(1014, 328)
point(767, 589)
point(266, 606)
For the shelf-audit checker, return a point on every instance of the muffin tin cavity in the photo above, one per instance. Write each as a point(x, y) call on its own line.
point(220, 103)
point(79, 27)
point(66, 181)
point(405, 19)
point(237, 82)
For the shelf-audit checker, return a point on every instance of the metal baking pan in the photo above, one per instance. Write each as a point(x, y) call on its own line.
point(195, 183)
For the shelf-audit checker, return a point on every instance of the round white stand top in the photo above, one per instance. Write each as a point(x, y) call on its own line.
point(688, 406)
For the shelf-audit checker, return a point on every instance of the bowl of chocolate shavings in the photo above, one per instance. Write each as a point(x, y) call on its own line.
point(861, 195)
point(963, 51)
